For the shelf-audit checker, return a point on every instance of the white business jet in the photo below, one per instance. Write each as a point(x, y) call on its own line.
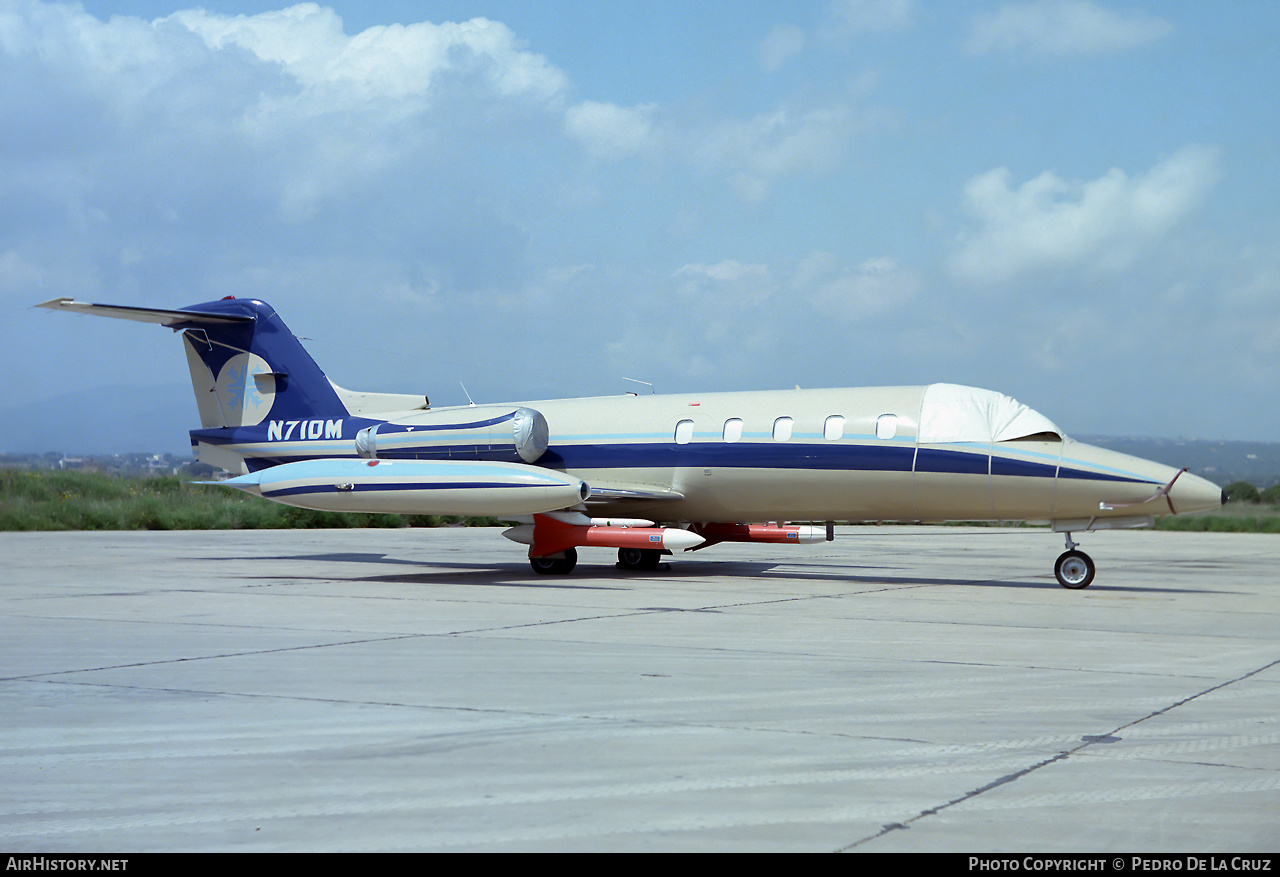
point(648, 475)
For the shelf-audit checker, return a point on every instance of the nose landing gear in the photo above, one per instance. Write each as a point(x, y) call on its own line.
point(1074, 569)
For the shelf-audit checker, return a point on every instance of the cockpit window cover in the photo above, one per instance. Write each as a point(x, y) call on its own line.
point(953, 413)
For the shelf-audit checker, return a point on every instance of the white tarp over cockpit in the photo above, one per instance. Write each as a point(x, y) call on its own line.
point(953, 413)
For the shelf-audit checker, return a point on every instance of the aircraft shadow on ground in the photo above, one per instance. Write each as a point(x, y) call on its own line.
point(589, 576)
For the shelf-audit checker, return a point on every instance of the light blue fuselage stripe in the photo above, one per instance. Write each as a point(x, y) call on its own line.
point(379, 488)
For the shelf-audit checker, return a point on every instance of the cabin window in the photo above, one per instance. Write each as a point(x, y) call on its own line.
point(782, 429)
point(684, 432)
point(886, 426)
point(733, 429)
point(833, 428)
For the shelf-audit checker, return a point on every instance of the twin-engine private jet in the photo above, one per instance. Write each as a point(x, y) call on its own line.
point(647, 475)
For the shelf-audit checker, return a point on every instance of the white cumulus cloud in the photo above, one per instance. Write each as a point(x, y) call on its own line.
point(851, 17)
point(756, 152)
point(737, 284)
point(214, 112)
point(752, 154)
point(823, 280)
point(874, 286)
point(728, 270)
point(782, 44)
point(1050, 222)
point(1063, 27)
point(609, 131)
point(393, 61)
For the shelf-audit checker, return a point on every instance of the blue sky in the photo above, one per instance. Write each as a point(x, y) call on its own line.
point(1074, 202)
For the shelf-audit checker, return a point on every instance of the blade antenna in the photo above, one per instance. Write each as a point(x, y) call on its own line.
point(652, 392)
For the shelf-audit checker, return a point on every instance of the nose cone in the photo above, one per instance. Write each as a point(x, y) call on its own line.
point(1191, 493)
point(1096, 482)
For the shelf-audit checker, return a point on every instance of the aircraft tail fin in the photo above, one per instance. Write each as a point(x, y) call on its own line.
point(246, 366)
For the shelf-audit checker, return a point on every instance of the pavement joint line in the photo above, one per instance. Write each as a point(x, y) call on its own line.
point(1088, 740)
point(577, 619)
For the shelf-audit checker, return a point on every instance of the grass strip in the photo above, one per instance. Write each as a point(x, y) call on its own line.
point(70, 500)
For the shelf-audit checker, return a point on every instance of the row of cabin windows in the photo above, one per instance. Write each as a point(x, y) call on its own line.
point(832, 428)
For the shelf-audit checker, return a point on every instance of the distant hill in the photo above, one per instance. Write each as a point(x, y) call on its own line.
point(1222, 462)
point(106, 420)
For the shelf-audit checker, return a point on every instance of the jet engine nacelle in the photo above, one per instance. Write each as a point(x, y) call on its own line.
point(473, 433)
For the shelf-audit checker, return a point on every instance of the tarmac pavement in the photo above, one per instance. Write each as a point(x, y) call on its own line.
point(899, 689)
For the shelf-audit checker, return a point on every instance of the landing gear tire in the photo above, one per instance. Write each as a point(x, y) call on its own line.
point(1074, 570)
point(555, 566)
point(639, 558)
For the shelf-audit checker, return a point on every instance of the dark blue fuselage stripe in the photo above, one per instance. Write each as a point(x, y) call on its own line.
point(749, 455)
point(1022, 468)
point(741, 455)
point(951, 462)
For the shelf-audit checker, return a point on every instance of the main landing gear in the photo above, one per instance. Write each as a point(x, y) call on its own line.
point(561, 564)
point(1074, 569)
point(556, 564)
point(639, 558)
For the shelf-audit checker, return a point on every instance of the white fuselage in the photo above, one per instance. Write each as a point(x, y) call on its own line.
point(865, 454)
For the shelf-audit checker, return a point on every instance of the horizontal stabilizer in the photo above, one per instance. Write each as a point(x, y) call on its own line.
point(159, 316)
point(246, 366)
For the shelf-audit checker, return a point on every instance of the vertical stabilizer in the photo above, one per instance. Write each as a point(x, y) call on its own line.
point(246, 366)
point(246, 372)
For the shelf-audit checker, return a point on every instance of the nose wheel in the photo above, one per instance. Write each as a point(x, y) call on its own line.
point(1074, 569)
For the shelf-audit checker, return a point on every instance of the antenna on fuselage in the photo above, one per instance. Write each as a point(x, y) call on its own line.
point(652, 392)
point(465, 393)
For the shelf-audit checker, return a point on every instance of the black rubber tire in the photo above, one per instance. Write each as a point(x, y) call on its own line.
point(631, 558)
point(639, 558)
point(555, 566)
point(1074, 570)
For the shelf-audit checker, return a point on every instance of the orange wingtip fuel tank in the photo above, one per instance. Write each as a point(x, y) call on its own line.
point(547, 536)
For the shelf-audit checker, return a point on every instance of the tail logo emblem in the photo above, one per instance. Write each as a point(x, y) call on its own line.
point(246, 389)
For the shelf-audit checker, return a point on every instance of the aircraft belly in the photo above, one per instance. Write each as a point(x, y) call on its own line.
point(759, 494)
point(960, 481)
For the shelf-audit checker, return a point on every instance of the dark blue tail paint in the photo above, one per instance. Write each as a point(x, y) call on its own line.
point(282, 383)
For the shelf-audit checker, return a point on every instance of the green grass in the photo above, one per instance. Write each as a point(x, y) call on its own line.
point(1248, 510)
point(1235, 517)
point(91, 501)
